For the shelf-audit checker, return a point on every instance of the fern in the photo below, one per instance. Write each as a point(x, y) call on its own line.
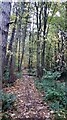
point(7, 100)
point(54, 91)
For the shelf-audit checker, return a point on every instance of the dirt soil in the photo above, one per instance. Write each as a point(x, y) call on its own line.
point(29, 103)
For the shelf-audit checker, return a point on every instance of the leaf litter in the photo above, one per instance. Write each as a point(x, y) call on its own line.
point(29, 103)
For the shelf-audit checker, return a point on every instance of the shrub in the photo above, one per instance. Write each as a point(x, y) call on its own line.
point(60, 115)
point(18, 74)
point(51, 75)
point(55, 93)
point(6, 116)
point(7, 100)
point(6, 74)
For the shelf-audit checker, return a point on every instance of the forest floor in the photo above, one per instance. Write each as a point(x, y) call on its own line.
point(29, 103)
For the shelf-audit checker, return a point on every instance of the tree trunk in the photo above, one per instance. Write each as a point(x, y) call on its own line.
point(38, 45)
point(48, 58)
point(0, 60)
point(23, 44)
point(19, 34)
point(66, 50)
point(11, 40)
point(11, 70)
point(55, 55)
point(5, 9)
point(30, 52)
point(43, 44)
point(62, 50)
point(19, 44)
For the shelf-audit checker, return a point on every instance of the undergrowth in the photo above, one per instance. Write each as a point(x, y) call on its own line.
point(6, 76)
point(54, 93)
point(7, 99)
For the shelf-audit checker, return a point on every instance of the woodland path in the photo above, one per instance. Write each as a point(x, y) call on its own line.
point(29, 102)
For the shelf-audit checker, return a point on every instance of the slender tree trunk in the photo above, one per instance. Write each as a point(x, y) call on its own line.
point(43, 44)
point(16, 46)
point(19, 46)
point(51, 59)
point(11, 64)
point(55, 54)
point(29, 62)
point(11, 40)
point(38, 45)
point(11, 53)
point(58, 45)
point(11, 70)
point(48, 58)
point(19, 35)
point(66, 49)
point(62, 50)
point(0, 61)
point(23, 44)
point(32, 42)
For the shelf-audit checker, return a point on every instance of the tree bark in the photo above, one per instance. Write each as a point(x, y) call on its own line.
point(43, 44)
point(5, 9)
point(19, 42)
point(38, 43)
point(11, 40)
point(0, 60)
point(62, 52)
point(66, 50)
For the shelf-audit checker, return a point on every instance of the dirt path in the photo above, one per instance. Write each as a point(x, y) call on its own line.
point(29, 102)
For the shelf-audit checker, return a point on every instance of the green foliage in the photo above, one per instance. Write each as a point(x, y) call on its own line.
point(60, 115)
point(7, 100)
point(18, 74)
point(31, 71)
point(6, 116)
point(6, 73)
point(51, 75)
point(54, 92)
